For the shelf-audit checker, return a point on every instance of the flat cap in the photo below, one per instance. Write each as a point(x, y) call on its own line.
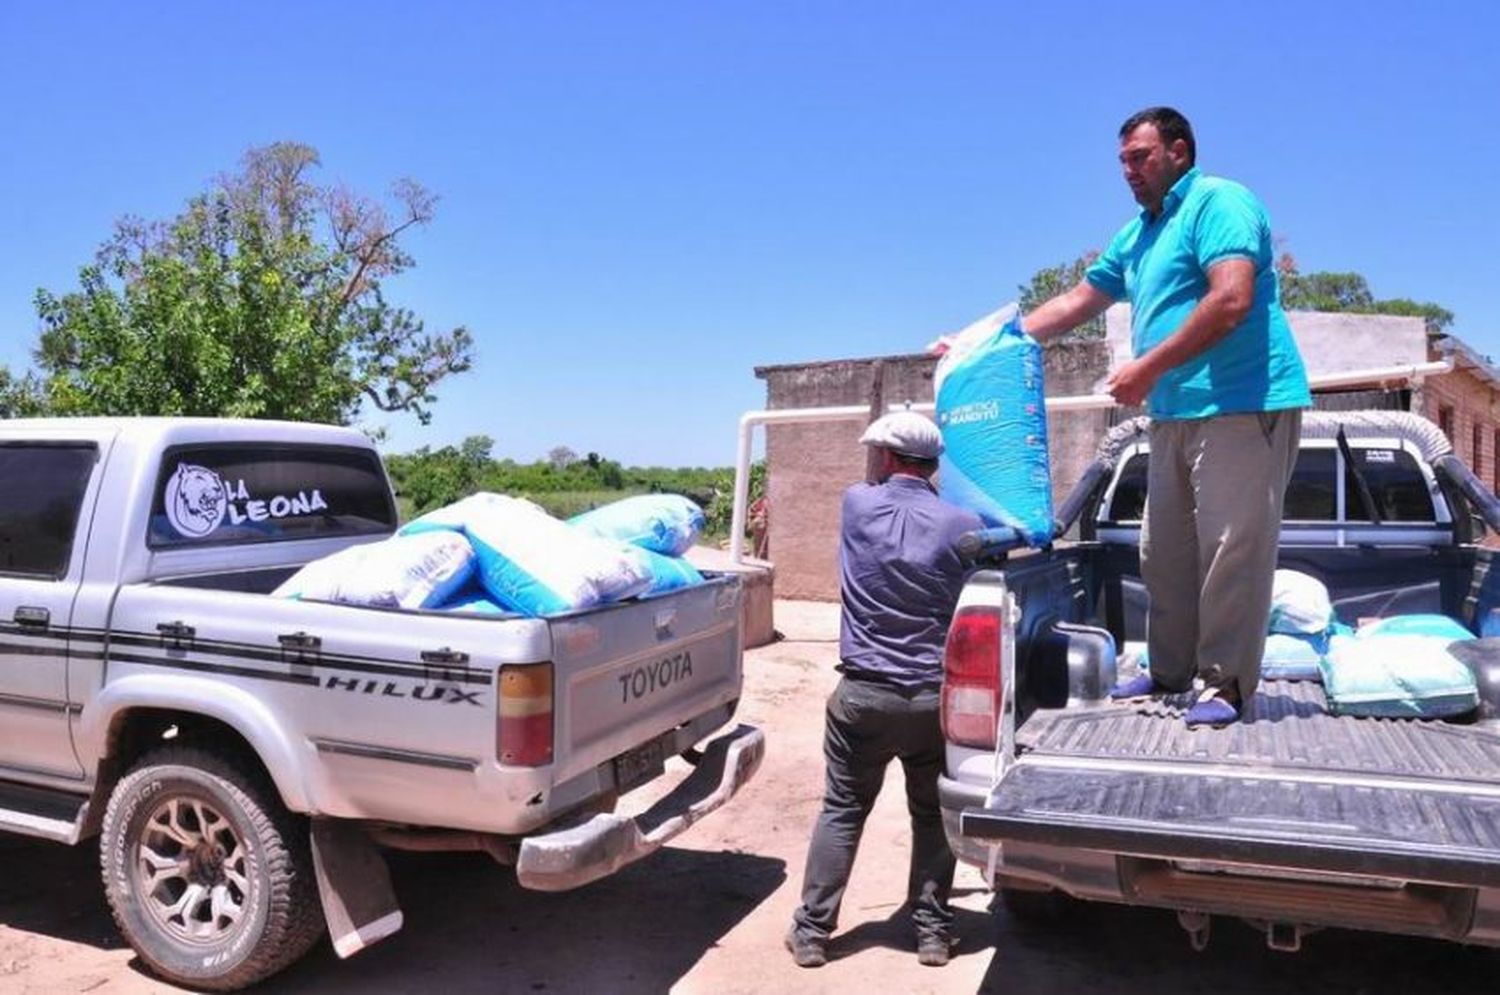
point(905, 432)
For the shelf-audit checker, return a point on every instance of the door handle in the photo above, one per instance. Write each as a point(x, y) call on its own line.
point(300, 647)
point(31, 617)
point(177, 635)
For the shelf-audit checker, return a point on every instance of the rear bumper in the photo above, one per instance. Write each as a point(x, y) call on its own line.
point(953, 798)
point(575, 856)
point(1372, 854)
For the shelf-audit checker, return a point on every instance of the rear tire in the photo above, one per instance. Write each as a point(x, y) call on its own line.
point(208, 876)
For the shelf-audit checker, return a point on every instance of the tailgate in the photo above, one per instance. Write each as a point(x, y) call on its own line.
point(1403, 828)
point(627, 673)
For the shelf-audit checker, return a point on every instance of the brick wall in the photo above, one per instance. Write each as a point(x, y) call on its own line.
point(1472, 404)
point(1466, 404)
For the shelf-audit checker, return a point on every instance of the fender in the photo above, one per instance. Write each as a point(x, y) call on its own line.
point(213, 699)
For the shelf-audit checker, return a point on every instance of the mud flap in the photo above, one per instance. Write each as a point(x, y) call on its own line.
point(355, 886)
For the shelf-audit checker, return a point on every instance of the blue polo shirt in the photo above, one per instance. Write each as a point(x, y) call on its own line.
point(1161, 264)
point(899, 578)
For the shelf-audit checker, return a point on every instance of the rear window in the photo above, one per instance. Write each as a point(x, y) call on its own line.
point(41, 492)
point(1129, 504)
point(237, 494)
point(1393, 475)
point(1396, 485)
point(1312, 494)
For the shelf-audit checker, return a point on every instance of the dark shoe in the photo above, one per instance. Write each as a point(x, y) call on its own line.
point(934, 951)
point(1212, 711)
point(1139, 686)
point(807, 953)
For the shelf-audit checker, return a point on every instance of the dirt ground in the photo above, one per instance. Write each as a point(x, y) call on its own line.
point(707, 915)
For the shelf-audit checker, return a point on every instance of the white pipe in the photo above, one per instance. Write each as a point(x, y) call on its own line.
point(1380, 374)
point(1076, 402)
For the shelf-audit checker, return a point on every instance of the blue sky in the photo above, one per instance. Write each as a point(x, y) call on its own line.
point(642, 201)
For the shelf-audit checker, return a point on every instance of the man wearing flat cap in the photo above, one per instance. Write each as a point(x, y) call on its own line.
point(900, 575)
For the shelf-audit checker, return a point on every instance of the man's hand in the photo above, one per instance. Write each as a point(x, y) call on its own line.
point(1130, 384)
point(1231, 288)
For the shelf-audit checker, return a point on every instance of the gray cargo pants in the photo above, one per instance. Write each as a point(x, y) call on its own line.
point(1214, 494)
point(868, 726)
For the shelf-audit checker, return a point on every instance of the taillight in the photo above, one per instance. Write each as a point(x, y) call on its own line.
point(523, 733)
point(971, 678)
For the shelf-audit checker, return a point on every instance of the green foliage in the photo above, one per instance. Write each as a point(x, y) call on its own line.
point(1324, 291)
point(1049, 282)
point(20, 397)
point(428, 479)
point(262, 299)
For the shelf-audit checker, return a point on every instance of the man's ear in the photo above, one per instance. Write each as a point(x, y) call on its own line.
point(1179, 152)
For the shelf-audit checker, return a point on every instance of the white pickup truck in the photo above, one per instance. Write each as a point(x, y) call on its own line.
point(243, 755)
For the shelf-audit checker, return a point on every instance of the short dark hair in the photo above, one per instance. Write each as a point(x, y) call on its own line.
point(915, 462)
point(1170, 125)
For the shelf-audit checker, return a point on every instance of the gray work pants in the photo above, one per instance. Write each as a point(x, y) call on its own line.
point(1208, 547)
point(868, 726)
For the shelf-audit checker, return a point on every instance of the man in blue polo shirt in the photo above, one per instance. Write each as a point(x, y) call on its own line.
point(1215, 363)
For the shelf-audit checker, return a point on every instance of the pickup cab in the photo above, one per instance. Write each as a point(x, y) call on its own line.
point(1293, 819)
point(242, 756)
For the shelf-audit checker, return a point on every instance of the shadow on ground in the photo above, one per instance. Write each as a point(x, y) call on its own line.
point(1112, 949)
point(55, 890)
point(469, 926)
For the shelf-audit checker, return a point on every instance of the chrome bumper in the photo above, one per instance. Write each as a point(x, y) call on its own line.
point(575, 856)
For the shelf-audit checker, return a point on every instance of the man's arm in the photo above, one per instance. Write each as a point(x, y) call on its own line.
point(1067, 310)
point(1231, 289)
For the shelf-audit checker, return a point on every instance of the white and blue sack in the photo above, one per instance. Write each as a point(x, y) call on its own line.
point(1300, 604)
point(534, 564)
point(668, 573)
point(415, 571)
point(663, 523)
point(1397, 676)
point(991, 408)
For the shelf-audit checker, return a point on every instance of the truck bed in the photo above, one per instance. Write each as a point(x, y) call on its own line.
point(1288, 727)
point(1291, 786)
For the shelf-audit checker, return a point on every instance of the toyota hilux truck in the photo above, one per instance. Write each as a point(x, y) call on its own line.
point(245, 758)
point(1293, 819)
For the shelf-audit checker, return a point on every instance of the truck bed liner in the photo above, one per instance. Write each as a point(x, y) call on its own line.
point(1288, 726)
point(1292, 786)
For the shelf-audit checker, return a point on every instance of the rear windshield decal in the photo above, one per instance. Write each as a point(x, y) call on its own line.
point(197, 501)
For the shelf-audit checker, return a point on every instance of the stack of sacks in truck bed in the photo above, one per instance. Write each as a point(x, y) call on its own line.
point(1396, 667)
point(493, 554)
point(533, 564)
point(1401, 667)
point(1301, 627)
point(1404, 666)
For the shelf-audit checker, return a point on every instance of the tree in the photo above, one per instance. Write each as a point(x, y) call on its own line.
point(561, 457)
point(19, 397)
point(428, 479)
point(1053, 280)
point(262, 299)
point(1324, 291)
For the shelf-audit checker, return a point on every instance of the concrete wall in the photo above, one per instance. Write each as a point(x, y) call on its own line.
point(1329, 343)
point(809, 466)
